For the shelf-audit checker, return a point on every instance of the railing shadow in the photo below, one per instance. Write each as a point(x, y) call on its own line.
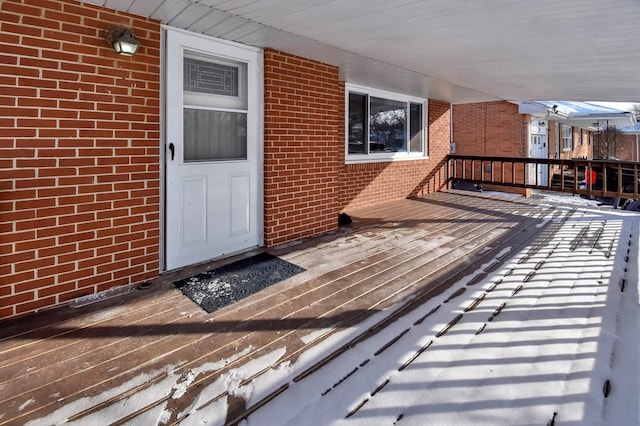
point(571, 363)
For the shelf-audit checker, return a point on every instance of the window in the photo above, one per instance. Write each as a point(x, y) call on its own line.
point(384, 126)
point(580, 137)
point(567, 138)
point(215, 109)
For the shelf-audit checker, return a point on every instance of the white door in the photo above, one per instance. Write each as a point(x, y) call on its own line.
point(538, 174)
point(213, 149)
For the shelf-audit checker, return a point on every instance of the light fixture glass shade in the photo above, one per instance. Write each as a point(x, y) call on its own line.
point(126, 44)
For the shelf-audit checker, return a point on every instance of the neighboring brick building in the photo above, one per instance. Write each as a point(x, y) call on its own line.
point(82, 157)
point(561, 130)
point(627, 147)
point(502, 129)
point(490, 128)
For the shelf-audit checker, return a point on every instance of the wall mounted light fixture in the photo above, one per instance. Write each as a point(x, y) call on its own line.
point(122, 40)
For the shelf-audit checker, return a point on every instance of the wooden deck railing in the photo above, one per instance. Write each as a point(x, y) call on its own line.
point(603, 178)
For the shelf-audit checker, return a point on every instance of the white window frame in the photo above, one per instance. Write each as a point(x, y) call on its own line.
point(385, 156)
point(567, 141)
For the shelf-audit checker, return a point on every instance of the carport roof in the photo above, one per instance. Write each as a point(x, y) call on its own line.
point(462, 51)
point(632, 130)
point(581, 114)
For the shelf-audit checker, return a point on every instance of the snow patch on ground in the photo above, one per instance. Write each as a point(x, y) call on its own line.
point(26, 404)
point(111, 412)
point(143, 390)
point(314, 335)
point(562, 199)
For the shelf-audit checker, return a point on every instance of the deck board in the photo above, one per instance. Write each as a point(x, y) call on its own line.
point(391, 252)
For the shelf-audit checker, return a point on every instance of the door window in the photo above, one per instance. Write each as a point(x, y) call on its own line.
point(215, 109)
point(211, 135)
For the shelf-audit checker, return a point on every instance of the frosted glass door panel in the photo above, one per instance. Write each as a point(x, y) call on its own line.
point(214, 135)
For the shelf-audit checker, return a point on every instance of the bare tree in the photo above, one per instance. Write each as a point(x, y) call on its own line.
point(606, 142)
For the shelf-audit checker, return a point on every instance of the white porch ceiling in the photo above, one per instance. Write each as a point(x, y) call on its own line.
point(456, 51)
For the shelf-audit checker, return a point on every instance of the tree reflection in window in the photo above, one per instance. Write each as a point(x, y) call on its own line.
point(357, 123)
point(387, 125)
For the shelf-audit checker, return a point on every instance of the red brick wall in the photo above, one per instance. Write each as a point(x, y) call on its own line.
point(579, 151)
point(306, 180)
point(372, 183)
point(79, 154)
point(302, 145)
point(626, 148)
point(490, 128)
point(551, 138)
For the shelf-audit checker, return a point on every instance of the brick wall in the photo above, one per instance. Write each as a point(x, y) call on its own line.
point(551, 138)
point(580, 150)
point(490, 128)
point(372, 183)
point(79, 154)
point(626, 148)
point(584, 150)
point(306, 180)
point(302, 145)
point(497, 129)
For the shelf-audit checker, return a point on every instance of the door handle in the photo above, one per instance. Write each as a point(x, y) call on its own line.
point(172, 149)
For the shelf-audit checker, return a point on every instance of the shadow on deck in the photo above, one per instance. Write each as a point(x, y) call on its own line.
point(148, 356)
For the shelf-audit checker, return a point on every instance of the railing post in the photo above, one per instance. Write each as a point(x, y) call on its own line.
point(619, 180)
point(589, 177)
point(635, 181)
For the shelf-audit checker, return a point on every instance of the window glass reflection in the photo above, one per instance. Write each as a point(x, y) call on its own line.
point(357, 123)
point(387, 125)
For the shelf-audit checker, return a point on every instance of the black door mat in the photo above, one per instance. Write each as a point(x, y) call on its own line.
point(223, 286)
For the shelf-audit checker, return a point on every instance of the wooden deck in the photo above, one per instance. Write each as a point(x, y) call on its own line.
point(95, 364)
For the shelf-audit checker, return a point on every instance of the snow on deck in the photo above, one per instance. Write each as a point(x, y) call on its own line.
point(549, 338)
point(543, 335)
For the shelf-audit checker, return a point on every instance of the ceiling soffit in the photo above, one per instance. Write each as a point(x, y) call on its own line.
point(462, 51)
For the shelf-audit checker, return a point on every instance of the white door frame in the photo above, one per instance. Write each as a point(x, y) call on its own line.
point(538, 128)
point(258, 110)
